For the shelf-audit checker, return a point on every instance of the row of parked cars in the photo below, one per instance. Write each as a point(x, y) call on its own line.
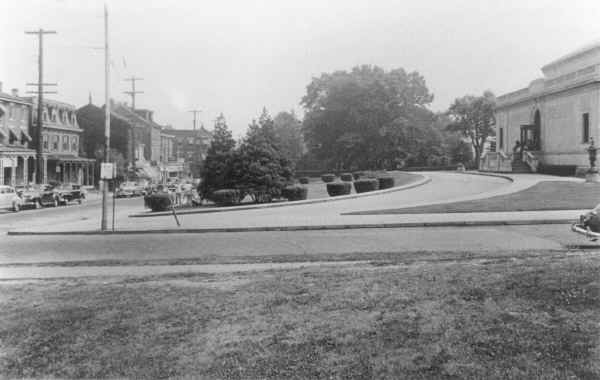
point(38, 196)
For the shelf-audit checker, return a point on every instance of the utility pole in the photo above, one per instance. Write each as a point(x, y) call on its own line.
point(133, 91)
point(40, 106)
point(106, 118)
point(195, 112)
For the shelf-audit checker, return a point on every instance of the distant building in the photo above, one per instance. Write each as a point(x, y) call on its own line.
point(61, 137)
point(17, 156)
point(191, 147)
point(554, 118)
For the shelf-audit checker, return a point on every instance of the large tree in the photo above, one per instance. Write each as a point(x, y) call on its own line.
point(259, 169)
point(367, 117)
point(288, 130)
point(473, 117)
point(216, 171)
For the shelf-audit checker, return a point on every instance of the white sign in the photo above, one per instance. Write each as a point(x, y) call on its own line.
point(7, 162)
point(107, 170)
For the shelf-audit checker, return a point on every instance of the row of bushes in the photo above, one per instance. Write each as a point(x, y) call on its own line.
point(349, 177)
point(360, 186)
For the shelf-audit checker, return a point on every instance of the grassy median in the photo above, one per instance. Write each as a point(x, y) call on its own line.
point(529, 318)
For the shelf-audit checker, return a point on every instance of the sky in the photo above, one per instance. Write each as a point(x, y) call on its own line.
point(236, 56)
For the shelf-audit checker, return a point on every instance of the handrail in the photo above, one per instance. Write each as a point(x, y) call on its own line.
point(531, 160)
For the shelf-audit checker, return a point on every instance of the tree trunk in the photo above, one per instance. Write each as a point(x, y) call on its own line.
point(477, 157)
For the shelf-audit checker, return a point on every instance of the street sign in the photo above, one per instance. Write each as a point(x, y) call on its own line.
point(107, 170)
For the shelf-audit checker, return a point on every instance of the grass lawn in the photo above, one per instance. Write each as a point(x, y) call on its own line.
point(548, 195)
point(495, 318)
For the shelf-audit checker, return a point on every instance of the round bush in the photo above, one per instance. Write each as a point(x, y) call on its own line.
point(294, 193)
point(365, 185)
point(226, 197)
point(328, 177)
point(358, 175)
point(303, 180)
point(338, 188)
point(386, 182)
point(158, 201)
point(346, 177)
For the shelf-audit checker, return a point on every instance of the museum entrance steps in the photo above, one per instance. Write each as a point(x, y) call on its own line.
point(519, 166)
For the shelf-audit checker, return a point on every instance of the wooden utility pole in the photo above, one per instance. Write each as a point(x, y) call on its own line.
point(40, 106)
point(133, 92)
point(106, 119)
point(195, 112)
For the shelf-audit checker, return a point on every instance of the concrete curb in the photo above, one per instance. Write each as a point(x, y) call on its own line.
point(426, 179)
point(481, 223)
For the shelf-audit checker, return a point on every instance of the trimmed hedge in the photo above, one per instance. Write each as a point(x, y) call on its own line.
point(560, 170)
point(294, 193)
point(303, 180)
point(386, 182)
point(226, 197)
point(338, 188)
point(328, 177)
point(365, 185)
point(346, 177)
point(158, 201)
point(357, 175)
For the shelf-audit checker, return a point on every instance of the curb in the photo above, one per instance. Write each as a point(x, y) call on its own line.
point(426, 179)
point(300, 228)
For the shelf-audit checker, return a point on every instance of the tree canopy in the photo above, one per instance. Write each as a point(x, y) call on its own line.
point(288, 131)
point(473, 117)
point(367, 117)
point(216, 172)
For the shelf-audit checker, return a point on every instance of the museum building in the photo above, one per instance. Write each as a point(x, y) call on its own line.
point(553, 119)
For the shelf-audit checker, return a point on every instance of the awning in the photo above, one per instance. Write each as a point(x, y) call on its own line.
point(26, 135)
point(3, 133)
point(14, 133)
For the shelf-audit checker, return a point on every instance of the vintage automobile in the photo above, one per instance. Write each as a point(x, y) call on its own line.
point(30, 195)
point(50, 196)
point(130, 189)
point(9, 199)
point(70, 193)
point(588, 224)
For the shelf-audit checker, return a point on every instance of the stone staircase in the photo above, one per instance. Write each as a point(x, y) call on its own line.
point(519, 166)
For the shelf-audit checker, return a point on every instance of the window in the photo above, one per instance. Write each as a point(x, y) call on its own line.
point(11, 111)
point(45, 142)
point(65, 146)
point(586, 127)
point(501, 138)
point(55, 142)
point(23, 113)
point(74, 144)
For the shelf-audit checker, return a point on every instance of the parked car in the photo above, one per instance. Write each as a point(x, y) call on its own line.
point(9, 199)
point(50, 196)
point(130, 189)
point(30, 195)
point(70, 193)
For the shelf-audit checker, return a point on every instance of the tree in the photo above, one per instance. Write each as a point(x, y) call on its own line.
point(259, 168)
point(473, 117)
point(216, 171)
point(366, 118)
point(288, 131)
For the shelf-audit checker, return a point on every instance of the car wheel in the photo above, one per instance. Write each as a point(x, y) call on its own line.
point(16, 207)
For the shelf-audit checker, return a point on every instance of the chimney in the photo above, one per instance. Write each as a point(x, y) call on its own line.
point(15, 92)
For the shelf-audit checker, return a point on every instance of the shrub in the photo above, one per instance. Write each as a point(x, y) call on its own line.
point(303, 180)
point(226, 197)
point(386, 182)
point(358, 175)
point(294, 193)
point(328, 177)
point(346, 177)
point(364, 185)
point(339, 188)
point(560, 170)
point(158, 201)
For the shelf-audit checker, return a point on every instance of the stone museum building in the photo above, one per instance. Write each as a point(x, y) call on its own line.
point(554, 118)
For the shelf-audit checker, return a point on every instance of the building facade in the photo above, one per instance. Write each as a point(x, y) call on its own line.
point(61, 161)
point(553, 119)
point(191, 147)
point(17, 158)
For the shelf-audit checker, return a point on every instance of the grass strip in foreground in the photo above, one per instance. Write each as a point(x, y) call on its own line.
point(496, 318)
